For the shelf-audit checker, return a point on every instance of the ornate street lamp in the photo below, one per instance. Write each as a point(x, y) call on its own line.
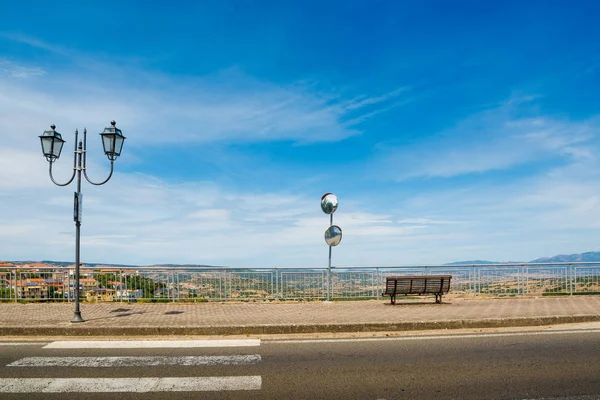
point(112, 140)
point(52, 143)
point(333, 234)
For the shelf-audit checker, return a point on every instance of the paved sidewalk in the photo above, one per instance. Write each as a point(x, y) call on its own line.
point(119, 319)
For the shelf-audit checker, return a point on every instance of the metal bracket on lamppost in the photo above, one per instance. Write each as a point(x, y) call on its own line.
point(52, 143)
point(333, 234)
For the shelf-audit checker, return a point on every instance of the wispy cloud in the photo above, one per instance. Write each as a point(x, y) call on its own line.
point(366, 101)
point(34, 42)
point(495, 139)
point(145, 220)
point(427, 221)
point(196, 111)
point(221, 107)
point(19, 71)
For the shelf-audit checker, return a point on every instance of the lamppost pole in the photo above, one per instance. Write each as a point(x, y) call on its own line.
point(76, 215)
point(52, 142)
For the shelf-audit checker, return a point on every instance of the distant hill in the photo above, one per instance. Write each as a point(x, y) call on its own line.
point(184, 266)
point(590, 256)
point(469, 262)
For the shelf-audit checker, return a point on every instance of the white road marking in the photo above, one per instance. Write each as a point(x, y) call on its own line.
point(133, 361)
point(144, 344)
point(22, 343)
point(129, 385)
point(585, 397)
point(438, 337)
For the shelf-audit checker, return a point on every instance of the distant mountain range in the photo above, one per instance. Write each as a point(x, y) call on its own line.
point(590, 256)
point(477, 262)
point(583, 257)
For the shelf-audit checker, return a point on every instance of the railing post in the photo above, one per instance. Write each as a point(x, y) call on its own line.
point(474, 283)
point(16, 299)
point(376, 283)
point(175, 286)
point(571, 277)
point(126, 289)
point(523, 279)
point(221, 284)
point(69, 285)
point(121, 285)
point(227, 278)
point(276, 284)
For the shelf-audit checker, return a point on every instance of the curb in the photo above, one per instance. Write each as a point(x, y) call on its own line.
point(82, 330)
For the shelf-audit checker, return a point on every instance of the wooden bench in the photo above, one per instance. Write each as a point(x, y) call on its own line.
point(419, 285)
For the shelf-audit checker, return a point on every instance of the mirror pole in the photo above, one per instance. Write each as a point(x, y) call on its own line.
point(329, 277)
point(329, 291)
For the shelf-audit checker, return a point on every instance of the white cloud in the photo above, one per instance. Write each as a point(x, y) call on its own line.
point(140, 219)
point(132, 221)
point(30, 41)
point(366, 101)
point(495, 139)
point(19, 71)
point(159, 111)
point(427, 221)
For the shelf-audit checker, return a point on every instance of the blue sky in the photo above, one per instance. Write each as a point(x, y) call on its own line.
point(449, 130)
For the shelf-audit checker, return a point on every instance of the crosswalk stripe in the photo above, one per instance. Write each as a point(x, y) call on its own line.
point(140, 344)
point(22, 343)
point(129, 385)
point(134, 361)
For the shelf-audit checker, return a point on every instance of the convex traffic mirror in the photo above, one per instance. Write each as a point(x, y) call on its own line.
point(333, 235)
point(329, 203)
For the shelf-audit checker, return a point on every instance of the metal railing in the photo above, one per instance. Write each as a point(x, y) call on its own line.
point(151, 284)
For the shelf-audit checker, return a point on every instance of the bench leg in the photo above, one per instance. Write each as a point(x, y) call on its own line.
point(393, 299)
point(438, 299)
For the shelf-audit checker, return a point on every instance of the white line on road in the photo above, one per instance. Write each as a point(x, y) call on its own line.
point(133, 361)
point(23, 343)
point(437, 337)
point(587, 397)
point(129, 385)
point(144, 344)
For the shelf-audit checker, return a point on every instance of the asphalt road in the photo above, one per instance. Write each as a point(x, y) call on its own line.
point(507, 366)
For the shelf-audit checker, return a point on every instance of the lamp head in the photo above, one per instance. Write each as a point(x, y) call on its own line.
point(52, 143)
point(112, 140)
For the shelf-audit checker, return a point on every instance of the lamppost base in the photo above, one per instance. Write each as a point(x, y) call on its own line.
point(77, 318)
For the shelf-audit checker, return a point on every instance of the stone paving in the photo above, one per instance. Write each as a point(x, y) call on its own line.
point(295, 317)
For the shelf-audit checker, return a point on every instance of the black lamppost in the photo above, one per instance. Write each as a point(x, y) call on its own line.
point(52, 143)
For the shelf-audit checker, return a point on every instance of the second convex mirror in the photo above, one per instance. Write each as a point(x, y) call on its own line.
point(329, 203)
point(333, 235)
